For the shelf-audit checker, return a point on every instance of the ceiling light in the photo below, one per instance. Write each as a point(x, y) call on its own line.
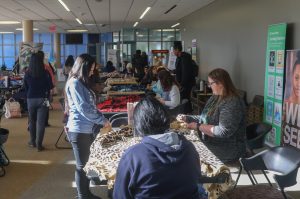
point(9, 22)
point(64, 5)
point(135, 24)
point(78, 21)
point(145, 12)
point(77, 30)
point(90, 24)
point(6, 32)
point(22, 29)
point(175, 25)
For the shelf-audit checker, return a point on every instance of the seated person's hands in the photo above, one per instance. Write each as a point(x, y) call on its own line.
point(192, 125)
point(161, 100)
point(181, 118)
point(106, 124)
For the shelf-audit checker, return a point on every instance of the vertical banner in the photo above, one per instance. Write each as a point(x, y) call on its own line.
point(291, 106)
point(273, 95)
point(26, 49)
point(194, 50)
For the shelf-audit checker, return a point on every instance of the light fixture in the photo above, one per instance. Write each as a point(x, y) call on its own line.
point(64, 5)
point(9, 22)
point(145, 12)
point(77, 30)
point(21, 29)
point(6, 32)
point(177, 24)
point(135, 24)
point(78, 21)
point(90, 24)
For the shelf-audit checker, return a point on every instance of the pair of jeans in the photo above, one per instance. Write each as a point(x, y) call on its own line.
point(81, 143)
point(37, 110)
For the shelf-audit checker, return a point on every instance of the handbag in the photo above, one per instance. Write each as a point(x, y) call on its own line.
point(12, 109)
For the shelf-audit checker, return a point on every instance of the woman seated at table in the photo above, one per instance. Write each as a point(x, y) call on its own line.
point(171, 94)
point(221, 124)
point(164, 165)
point(109, 67)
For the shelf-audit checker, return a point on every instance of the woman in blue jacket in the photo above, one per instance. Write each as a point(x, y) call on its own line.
point(83, 116)
point(164, 165)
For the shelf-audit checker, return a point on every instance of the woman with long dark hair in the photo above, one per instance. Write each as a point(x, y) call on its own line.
point(83, 116)
point(37, 84)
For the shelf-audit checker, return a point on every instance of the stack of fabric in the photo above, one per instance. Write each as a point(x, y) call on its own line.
point(117, 104)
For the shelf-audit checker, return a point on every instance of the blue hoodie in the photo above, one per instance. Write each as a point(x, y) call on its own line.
point(166, 166)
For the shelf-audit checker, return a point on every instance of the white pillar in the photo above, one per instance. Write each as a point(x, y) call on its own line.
point(27, 30)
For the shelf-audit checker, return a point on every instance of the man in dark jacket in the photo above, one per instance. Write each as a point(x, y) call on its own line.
point(164, 165)
point(138, 64)
point(184, 71)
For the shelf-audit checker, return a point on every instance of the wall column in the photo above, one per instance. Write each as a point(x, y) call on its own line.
point(27, 30)
point(57, 49)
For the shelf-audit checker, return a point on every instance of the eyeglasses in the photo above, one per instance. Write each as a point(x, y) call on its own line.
point(209, 84)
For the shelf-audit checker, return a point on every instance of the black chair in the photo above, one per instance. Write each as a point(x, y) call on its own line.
point(284, 161)
point(117, 115)
point(255, 134)
point(62, 104)
point(119, 122)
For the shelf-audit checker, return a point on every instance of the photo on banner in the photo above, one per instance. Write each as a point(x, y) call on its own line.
point(26, 49)
point(291, 106)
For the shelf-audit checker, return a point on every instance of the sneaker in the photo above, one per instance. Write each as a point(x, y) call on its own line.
point(30, 144)
point(40, 148)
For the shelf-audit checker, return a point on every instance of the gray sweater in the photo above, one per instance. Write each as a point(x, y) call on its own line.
point(228, 143)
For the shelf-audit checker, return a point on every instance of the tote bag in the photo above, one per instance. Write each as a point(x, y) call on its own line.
point(12, 109)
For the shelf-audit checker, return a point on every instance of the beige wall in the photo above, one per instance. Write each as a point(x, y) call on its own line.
point(233, 33)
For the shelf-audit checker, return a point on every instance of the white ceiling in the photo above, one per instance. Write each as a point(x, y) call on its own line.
point(115, 14)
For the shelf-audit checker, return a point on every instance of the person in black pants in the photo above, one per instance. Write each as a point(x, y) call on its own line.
point(38, 84)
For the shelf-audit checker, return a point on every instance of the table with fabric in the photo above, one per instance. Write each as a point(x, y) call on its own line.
point(107, 149)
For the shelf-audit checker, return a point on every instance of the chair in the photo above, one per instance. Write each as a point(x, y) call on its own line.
point(62, 104)
point(117, 115)
point(117, 122)
point(255, 134)
point(284, 161)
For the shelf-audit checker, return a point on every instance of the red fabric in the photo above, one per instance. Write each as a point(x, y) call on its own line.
point(117, 104)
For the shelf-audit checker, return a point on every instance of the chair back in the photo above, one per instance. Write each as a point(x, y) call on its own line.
point(117, 115)
point(117, 122)
point(256, 135)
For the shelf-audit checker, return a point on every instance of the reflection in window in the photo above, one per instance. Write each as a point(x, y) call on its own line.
point(167, 45)
point(9, 51)
point(168, 34)
point(155, 46)
point(142, 35)
point(155, 35)
point(8, 39)
point(127, 34)
point(116, 37)
point(143, 46)
point(178, 35)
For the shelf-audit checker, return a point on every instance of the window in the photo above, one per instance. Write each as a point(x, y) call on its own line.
point(81, 49)
point(9, 39)
point(142, 35)
point(155, 35)
point(154, 46)
point(167, 45)
point(36, 37)
point(178, 35)
point(143, 46)
point(19, 38)
point(62, 39)
point(47, 49)
point(70, 50)
point(116, 36)
point(168, 35)
point(106, 37)
point(9, 51)
point(128, 34)
point(46, 38)
point(1, 39)
point(9, 62)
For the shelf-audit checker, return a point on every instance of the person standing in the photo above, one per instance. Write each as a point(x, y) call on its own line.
point(138, 64)
point(83, 117)
point(68, 65)
point(184, 70)
point(37, 83)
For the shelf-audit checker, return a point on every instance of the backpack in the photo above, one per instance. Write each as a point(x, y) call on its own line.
point(195, 68)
